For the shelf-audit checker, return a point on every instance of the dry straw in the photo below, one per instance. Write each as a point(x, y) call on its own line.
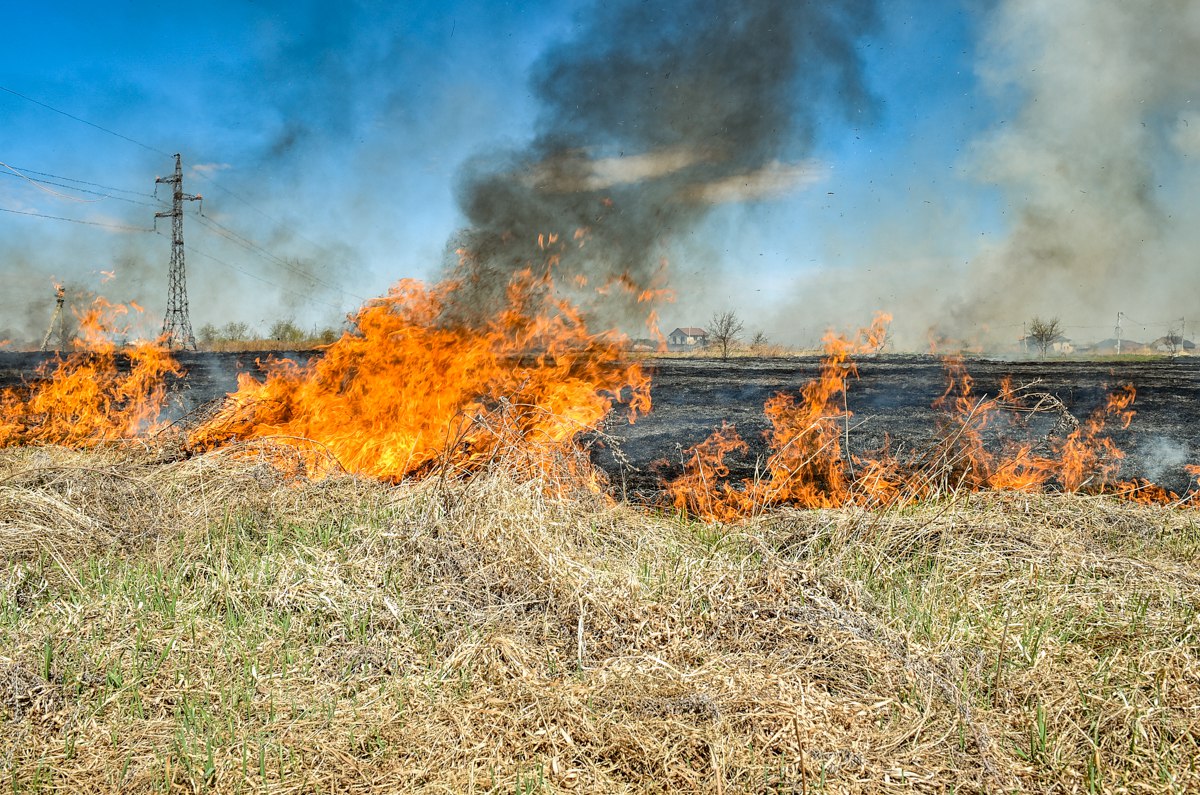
point(220, 624)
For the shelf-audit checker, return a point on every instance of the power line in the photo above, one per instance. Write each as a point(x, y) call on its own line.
point(85, 182)
point(193, 250)
point(255, 248)
point(85, 121)
point(214, 225)
point(40, 185)
point(261, 212)
point(117, 227)
point(12, 172)
point(155, 149)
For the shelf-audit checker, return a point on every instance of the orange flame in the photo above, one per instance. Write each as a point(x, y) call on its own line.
point(403, 393)
point(409, 392)
point(807, 466)
point(90, 397)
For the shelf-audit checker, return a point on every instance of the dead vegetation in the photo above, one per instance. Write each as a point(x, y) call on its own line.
point(217, 624)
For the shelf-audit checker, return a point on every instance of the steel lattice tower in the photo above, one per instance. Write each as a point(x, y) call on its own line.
point(177, 327)
point(59, 319)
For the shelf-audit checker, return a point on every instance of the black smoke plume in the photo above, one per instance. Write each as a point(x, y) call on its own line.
point(651, 115)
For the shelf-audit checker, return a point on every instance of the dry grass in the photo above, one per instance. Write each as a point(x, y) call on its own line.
point(216, 625)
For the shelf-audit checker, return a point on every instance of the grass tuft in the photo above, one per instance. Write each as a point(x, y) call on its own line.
point(217, 625)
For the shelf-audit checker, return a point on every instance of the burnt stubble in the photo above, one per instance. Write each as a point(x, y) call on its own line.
point(890, 401)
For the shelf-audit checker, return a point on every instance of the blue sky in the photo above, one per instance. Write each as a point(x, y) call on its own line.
point(333, 141)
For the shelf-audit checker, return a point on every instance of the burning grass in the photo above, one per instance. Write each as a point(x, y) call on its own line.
point(86, 397)
point(419, 388)
point(396, 569)
point(220, 624)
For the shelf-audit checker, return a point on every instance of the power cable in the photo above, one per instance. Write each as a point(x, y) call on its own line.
point(71, 179)
point(256, 277)
point(261, 212)
point(143, 194)
point(117, 227)
point(251, 246)
point(85, 121)
point(37, 182)
point(148, 147)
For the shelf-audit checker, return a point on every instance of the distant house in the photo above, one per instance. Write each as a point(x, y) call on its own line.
point(1172, 343)
point(1108, 347)
point(687, 337)
point(1059, 344)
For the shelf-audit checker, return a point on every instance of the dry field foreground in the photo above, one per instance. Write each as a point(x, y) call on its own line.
point(212, 625)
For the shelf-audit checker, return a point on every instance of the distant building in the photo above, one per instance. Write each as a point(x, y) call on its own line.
point(687, 337)
point(1108, 347)
point(1172, 343)
point(1059, 344)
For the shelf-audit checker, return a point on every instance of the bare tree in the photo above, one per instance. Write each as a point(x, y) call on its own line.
point(1173, 341)
point(1043, 333)
point(724, 331)
point(759, 342)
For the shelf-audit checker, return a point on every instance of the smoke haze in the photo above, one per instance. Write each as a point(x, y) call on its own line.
point(1058, 176)
point(1100, 161)
point(650, 115)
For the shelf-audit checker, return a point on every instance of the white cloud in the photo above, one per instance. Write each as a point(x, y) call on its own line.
point(209, 168)
point(773, 179)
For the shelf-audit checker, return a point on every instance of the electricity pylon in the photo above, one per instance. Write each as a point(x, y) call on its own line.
point(177, 326)
point(59, 318)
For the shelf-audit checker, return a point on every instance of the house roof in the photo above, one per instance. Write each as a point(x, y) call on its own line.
point(1111, 342)
point(690, 331)
point(1165, 341)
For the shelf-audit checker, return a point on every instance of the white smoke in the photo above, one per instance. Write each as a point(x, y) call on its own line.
point(1099, 161)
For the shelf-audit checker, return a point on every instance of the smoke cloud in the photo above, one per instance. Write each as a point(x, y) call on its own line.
point(1099, 162)
point(655, 113)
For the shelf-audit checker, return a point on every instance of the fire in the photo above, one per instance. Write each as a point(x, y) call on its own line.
point(807, 466)
point(90, 396)
point(1083, 458)
point(407, 393)
point(983, 444)
point(411, 391)
point(1087, 457)
point(962, 459)
point(1194, 471)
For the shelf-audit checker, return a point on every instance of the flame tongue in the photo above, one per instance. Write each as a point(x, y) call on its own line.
point(404, 391)
point(808, 467)
point(89, 397)
point(411, 389)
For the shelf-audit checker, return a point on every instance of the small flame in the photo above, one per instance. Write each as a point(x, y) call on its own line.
point(809, 467)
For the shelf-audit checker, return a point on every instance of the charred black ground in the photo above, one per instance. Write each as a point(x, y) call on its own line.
point(891, 400)
point(892, 404)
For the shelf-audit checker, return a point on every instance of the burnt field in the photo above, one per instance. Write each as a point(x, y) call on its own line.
point(892, 399)
point(891, 402)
